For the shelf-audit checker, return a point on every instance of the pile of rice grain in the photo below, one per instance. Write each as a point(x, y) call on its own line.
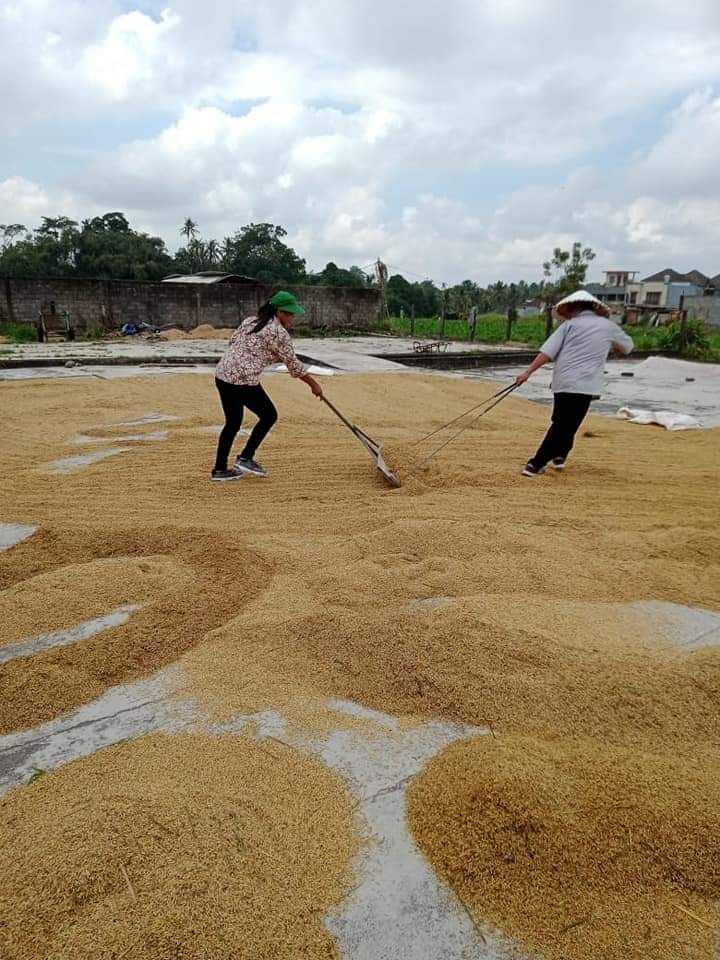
point(176, 848)
point(575, 849)
point(464, 661)
point(212, 578)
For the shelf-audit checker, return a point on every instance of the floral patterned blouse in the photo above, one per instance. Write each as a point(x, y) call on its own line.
point(248, 353)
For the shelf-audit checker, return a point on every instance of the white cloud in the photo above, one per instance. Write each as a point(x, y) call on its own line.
point(343, 104)
point(685, 160)
point(22, 201)
point(131, 55)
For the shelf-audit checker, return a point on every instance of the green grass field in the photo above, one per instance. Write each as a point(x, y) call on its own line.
point(18, 332)
point(492, 328)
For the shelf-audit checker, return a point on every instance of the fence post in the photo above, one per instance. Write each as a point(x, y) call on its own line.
point(412, 321)
point(683, 324)
point(9, 301)
point(442, 321)
point(548, 320)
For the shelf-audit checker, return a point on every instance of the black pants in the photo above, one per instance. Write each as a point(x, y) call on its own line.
point(569, 410)
point(234, 399)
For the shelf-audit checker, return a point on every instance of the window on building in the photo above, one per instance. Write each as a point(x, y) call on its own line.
point(633, 296)
point(652, 299)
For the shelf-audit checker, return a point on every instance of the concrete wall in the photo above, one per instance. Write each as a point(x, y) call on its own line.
point(677, 290)
point(110, 303)
point(707, 308)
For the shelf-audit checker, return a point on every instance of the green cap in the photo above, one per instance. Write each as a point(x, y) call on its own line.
point(285, 301)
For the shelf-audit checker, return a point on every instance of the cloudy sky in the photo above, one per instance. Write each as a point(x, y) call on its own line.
point(453, 138)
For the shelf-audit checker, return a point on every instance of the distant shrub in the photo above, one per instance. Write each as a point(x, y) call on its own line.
point(94, 333)
point(696, 338)
point(18, 332)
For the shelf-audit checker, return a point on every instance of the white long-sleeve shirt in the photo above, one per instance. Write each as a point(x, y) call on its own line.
point(248, 353)
point(579, 349)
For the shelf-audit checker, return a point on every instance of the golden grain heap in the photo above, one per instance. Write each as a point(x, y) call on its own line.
point(584, 824)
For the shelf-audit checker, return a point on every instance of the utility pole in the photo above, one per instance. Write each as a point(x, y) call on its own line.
point(381, 275)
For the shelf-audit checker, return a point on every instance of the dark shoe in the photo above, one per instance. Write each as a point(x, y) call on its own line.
point(531, 471)
point(226, 475)
point(558, 463)
point(250, 466)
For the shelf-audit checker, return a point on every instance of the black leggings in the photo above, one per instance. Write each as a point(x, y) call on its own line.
point(234, 398)
point(569, 410)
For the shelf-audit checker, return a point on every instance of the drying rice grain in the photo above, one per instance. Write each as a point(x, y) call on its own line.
point(192, 847)
point(576, 849)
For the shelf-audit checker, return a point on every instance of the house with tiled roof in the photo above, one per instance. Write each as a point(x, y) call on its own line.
point(667, 289)
point(659, 295)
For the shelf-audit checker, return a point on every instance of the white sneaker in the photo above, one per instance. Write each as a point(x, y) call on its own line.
point(559, 463)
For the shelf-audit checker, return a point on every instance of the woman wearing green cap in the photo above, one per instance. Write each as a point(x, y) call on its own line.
point(257, 343)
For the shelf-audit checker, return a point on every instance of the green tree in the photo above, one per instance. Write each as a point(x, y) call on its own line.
point(566, 271)
point(104, 246)
point(564, 274)
point(189, 230)
point(399, 295)
point(212, 252)
point(51, 250)
point(258, 250)
point(462, 297)
point(109, 247)
point(10, 233)
point(334, 276)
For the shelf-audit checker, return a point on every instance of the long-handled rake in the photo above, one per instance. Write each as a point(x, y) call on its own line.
point(373, 448)
point(493, 401)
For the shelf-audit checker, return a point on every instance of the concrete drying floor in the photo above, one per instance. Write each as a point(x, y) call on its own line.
point(398, 907)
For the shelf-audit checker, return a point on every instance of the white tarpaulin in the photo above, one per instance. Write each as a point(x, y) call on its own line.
point(671, 371)
point(662, 418)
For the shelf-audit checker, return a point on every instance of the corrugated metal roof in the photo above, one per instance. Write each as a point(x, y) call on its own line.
point(208, 277)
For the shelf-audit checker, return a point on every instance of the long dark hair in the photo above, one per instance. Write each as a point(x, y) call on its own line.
point(264, 315)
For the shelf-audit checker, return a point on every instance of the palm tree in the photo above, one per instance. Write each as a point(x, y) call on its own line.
point(212, 251)
point(189, 229)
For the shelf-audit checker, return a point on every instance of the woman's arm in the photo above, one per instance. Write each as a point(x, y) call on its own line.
point(313, 384)
point(286, 353)
point(540, 360)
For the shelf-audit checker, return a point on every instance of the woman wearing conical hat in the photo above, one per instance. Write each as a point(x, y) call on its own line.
point(578, 350)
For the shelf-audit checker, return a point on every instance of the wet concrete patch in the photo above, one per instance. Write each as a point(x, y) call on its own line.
point(217, 428)
point(13, 533)
point(128, 438)
point(148, 418)
point(430, 603)
point(398, 908)
point(688, 628)
point(123, 713)
point(62, 638)
point(74, 464)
